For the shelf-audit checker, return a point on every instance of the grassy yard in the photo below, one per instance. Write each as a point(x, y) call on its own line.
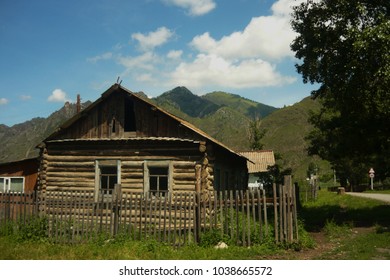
point(332, 227)
point(125, 250)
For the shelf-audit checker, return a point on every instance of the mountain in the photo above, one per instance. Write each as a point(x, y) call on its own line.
point(20, 140)
point(184, 100)
point(228, 117)
point(245, 106)
point(286, 132)
point(181, 100)
point(224, 116)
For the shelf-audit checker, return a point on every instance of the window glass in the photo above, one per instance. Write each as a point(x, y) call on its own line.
point(12, 184)
point(108, 178)
point(17, 184)
point(158, 180)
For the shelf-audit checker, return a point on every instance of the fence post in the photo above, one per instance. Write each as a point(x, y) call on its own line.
point(198, 177)
point(116, 197)
point(276, 225)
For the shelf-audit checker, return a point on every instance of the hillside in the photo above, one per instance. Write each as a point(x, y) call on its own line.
point(224, 116)
point(245, 106)
point(229, 123)
point(185, 101)
point(20, 140)
point(286, 132)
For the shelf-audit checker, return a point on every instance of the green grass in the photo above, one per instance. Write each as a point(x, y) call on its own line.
point(344, 209)
point(370, 246)
point(359, 228)
point(124, 249)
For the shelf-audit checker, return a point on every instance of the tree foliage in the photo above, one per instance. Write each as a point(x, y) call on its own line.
point(344, 47)
point(256, 134)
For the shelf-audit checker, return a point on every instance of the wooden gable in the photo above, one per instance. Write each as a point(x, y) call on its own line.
point(119, 113)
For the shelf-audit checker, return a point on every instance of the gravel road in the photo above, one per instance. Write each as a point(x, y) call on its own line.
point(377, 196)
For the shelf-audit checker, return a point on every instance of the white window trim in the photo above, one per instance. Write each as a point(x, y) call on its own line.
point(163, 163)
point(8, 178)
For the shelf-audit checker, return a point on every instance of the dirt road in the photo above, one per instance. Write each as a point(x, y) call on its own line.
point(377, 196)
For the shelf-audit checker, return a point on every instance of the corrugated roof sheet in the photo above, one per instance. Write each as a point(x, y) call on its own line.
point(169, 139)
point(259, 160)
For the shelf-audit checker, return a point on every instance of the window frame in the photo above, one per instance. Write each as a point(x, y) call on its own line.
point(9, 185)
point(158, 164)
point(99, 164)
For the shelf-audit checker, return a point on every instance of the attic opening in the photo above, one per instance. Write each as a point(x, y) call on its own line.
point(129, 122)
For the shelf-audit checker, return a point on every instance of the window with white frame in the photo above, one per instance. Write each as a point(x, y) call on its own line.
point(157, 178)
point(12, 184)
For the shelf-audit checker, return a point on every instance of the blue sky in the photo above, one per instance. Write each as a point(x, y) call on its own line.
point(50, 51)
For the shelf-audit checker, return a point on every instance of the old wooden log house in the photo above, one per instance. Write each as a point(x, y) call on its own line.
point(123, 138)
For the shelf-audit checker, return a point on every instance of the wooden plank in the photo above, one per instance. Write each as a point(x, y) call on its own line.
point(276, 225)
point(281, 207)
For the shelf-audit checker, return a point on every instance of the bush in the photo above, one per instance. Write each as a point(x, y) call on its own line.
point(33, 230)
point(212, 237)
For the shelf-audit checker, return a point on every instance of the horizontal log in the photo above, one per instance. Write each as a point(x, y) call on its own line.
point(184, 188)
point(70, 184)
point(73, 181)
point(80, 175)
point(132, 188)
point(184, 176)
point(132, 174)
point(90, 163)
point(184, 164)
point(183, 182)
point(132, 164)
point(63, 169)
point(59, 189)
point(132, 183)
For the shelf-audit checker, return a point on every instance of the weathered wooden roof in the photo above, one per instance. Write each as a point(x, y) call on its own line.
point(116, 87)
point(259, 160)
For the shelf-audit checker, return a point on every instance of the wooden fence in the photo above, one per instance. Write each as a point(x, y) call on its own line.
point(243, 217)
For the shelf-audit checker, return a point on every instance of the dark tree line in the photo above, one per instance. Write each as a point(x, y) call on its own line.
point(344, 47)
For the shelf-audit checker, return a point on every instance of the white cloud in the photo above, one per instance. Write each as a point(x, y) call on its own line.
point(175, 54)
point(245, 59)
point(268, 37)
point(145, 61)
point(242, 59)
point(105, 56)
point(194, 7)
point(153, 39)
point(3, 101)
point(212, 70)
point(145, 78)
point(58, 95)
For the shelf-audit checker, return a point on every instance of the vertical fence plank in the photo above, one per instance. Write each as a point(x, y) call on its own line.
point(294, 198)
point(276, 225)
point(281, 200)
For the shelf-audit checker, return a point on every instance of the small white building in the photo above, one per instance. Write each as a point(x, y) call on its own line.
point(258, 163)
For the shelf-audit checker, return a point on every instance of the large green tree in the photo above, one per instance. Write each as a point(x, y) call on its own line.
point(344, 47)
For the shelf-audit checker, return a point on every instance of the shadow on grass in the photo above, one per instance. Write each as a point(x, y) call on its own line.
point(315, 217)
